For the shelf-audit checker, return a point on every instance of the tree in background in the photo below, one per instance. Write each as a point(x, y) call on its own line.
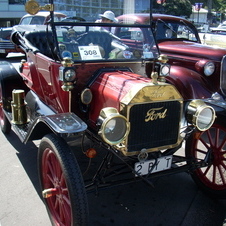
point(173, 7)
point(184, 7)
point(222, 5)
point(178, 7)
point(218, 6)
point(221, 8)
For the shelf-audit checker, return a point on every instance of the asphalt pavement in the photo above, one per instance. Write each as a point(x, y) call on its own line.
point(173, 201)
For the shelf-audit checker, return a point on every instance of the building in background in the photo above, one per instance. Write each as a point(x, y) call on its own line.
point(12, 10)
point(199, 17)
point(90, 10)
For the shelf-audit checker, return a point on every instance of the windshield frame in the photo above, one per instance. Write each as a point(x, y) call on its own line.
point(146, 29)
point(180, 22)
point(54, 24)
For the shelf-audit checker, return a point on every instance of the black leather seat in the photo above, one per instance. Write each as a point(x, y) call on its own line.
point(101, 38)
point(42, 41)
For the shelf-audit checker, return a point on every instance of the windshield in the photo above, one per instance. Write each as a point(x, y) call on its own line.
point(174, 30)
point(110, 43)
point(92, 31)
point(32, 20)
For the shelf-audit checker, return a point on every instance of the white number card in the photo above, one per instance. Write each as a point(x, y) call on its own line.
point(90, 52)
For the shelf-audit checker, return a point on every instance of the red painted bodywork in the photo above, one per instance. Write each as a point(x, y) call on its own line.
point(186, 58)
point(110, 88)
point(191, 49)
point(190, 83)
point(41, 75)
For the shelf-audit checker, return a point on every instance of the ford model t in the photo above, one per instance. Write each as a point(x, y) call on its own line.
point(81, 83)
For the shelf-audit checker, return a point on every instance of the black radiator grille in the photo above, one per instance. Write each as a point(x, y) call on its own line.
point(154, 133)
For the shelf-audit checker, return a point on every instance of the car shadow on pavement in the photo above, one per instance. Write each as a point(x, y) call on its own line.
point(27, 154)
point(174, 200)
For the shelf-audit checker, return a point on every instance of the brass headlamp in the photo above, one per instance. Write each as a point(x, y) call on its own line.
point(200, 115)
point(114, 127)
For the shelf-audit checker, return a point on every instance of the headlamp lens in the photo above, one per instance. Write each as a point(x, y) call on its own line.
point(165, 69)
point(114, 126)
point(115, 129)
point(70, 75)
point(209, 68)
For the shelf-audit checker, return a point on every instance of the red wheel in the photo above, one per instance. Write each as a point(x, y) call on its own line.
point(4, 122)
point(210, 145)
point(61, 182)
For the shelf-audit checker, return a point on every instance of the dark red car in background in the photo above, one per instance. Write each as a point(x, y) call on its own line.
point(197, 71)
point(200, 68)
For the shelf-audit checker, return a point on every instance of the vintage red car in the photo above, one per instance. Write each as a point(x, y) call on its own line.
point(6, 46)
point(86, 82)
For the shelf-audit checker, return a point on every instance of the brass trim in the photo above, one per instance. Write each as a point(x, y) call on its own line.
point(195, 107)
point(145, 93)
point(86, 96)
point(123, 147)
point(163, 58)
point(19, 113)
point(107, 114)
point(32, 7)
point(67, 62)
point(110, 63)
point(126, 153)
point(149, 92)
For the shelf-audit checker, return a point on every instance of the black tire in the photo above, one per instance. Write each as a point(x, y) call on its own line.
point(212, 178)
point(4, 122)
point(59, 171)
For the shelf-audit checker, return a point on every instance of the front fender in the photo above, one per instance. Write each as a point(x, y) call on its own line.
point(189, 83)
point(63, 123)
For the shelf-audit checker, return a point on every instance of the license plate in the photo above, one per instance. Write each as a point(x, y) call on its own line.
point(153, 166)
point(2, 51)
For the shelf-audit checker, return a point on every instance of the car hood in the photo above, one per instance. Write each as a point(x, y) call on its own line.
point(184, 49)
